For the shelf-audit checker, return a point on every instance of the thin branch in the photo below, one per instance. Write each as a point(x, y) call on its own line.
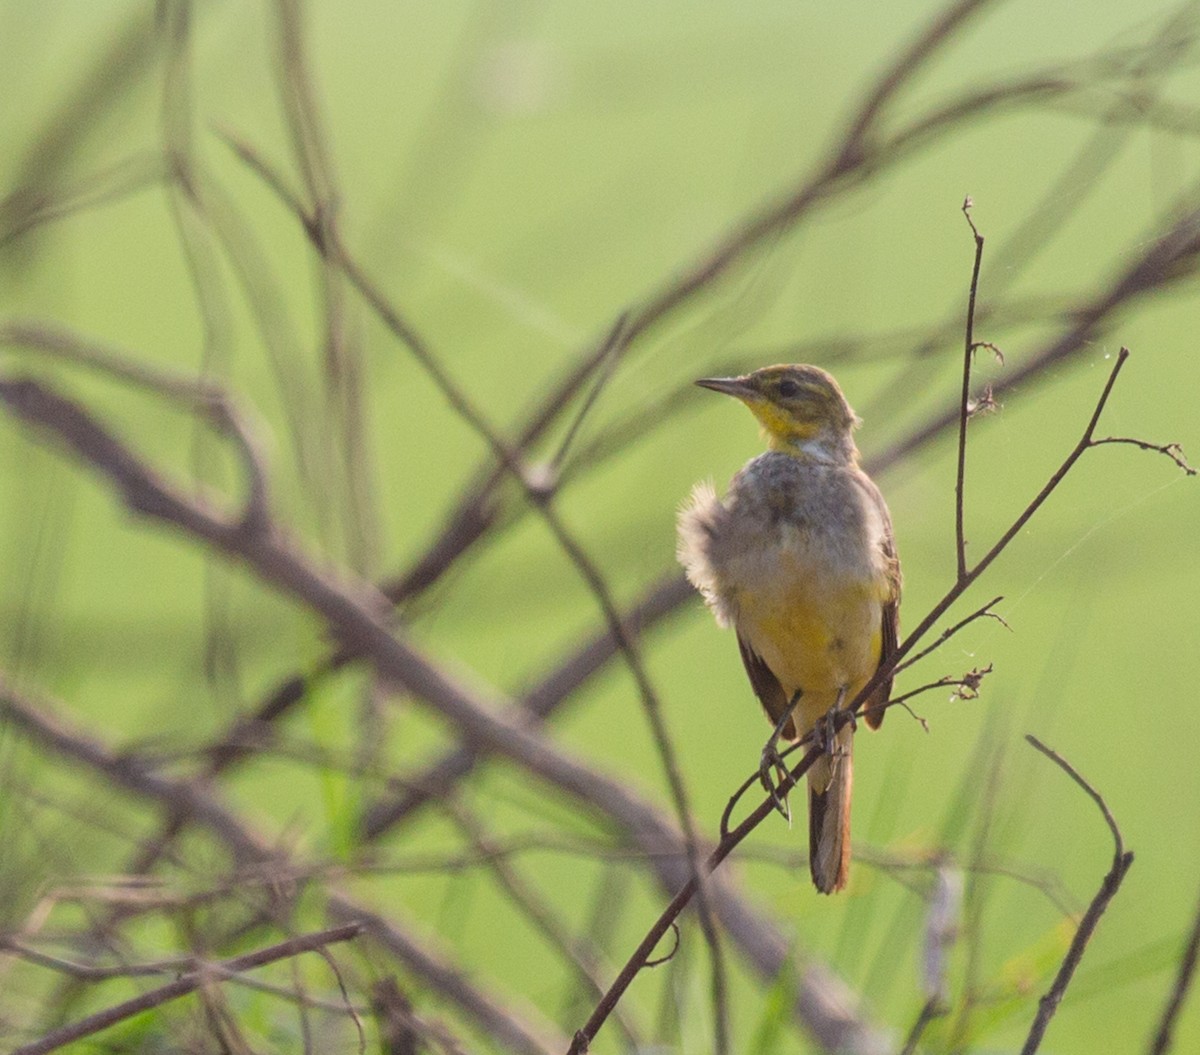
point(1167, 254)
point(641, 956)
point(854, 153)
point(964, 405)
point(667, 754)
point(401, 1029)
point(342, 355)
point(357, 616)
point(107, 79)
point(1179, 991)
point(201, 396)
point(87, 972)
point(1093, 794)
point(564, 679)
point(605, 367)
point(967, 687)
point(966, 684)
point(908, 63)
point(127, 771)
point(326, 239)
point(25, 211)
point(1045, 882)
point(982, 612)
point(188, 983)
point(54, 341)
point(961, 585)
point(582, 956)
point(1122, 859)
point(539, 493)
point(989, 770)
point(933, 1008)
point(257, 857)
point(966, 577)
point(1172, 450)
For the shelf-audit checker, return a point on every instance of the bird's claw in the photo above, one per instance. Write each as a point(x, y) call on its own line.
point(778, 785)
point(828, 734)
point(770, 760)
point(825, 731)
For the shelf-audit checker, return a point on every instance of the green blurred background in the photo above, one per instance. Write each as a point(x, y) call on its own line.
point(515, 175)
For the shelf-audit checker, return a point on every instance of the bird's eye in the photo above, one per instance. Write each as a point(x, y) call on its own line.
point(788, 388)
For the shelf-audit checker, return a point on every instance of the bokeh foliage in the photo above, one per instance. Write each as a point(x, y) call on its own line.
point(514, 177)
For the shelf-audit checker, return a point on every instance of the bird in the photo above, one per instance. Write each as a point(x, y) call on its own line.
point(799, 557)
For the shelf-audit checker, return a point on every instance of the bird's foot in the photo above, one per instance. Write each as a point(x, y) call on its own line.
point(773, 782)
point(825, 731)
point(777, 784)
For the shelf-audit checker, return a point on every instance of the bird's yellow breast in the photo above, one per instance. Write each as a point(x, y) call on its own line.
point(818, 633)
point(795, 558)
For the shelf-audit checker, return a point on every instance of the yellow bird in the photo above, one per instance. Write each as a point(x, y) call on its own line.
point(799, 557)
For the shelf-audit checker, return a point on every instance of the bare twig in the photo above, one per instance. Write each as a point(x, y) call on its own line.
point(539, 493)
point(87, 972)
point(965, 577)
point(564, 678)
point(356, 614)
point(972, 573)
point(90, 91)
point(964, 404)
point(859, 149)
point(54, 341)
point(199, 395)
point(258, 857)
point(582, 956)
point(326, 239)
point(933, 1008)
point(401, 1029)
point(908, 62)
point(343, 373)
point(641, 956)
point(1122, 859)
point(607, 364)
point(188, 983)
point(1184, 977)
point(1168, 253)
point(966, 686)
point(982, 612)
point(1171, 450)
point(27, 210)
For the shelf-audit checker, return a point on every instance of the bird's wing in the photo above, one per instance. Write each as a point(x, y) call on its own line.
point(766, 686)
point(890, 629)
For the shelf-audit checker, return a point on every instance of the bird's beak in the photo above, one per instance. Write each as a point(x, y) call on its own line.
point(738, 387)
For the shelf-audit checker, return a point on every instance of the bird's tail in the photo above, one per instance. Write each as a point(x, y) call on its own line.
point(830, 781)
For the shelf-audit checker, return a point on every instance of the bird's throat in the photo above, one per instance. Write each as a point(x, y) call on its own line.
point(819, 446)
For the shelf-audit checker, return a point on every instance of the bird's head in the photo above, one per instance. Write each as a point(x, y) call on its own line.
point(799, 407)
